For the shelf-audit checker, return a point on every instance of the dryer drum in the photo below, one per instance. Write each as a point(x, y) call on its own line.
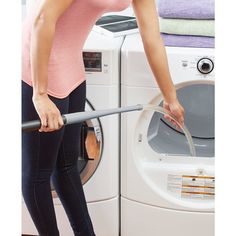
point(161, 111)
point(198, 102)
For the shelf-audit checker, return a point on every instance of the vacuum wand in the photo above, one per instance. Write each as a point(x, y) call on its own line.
point(79, 117)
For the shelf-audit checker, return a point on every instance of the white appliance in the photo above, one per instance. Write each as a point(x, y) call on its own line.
point(165, 191)
point(101, 175)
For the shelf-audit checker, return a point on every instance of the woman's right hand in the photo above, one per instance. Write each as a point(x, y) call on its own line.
point(49, 114)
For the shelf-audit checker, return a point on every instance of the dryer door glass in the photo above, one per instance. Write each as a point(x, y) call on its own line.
point(198, 102)
point(91, 146)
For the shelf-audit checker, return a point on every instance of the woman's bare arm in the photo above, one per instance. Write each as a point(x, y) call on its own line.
point(43, 30)
point(147, 18)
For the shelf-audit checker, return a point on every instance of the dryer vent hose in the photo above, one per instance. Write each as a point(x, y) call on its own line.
point(186, 132)
point(79, 117)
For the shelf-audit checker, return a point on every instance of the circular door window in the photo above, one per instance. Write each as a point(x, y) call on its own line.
point(91, 146)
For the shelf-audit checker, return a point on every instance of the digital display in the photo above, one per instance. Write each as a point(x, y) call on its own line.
point(92, 61)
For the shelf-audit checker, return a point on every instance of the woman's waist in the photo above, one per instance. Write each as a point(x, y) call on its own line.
point(60, 84)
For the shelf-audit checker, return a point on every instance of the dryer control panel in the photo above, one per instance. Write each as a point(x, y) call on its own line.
point(92, 61)
point(101, 66)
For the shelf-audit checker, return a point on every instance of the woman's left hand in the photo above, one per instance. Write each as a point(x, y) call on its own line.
point(176, 110)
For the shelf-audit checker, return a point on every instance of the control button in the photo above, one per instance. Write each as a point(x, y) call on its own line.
point(184, 64)
point(205, 65)
point(140, 138)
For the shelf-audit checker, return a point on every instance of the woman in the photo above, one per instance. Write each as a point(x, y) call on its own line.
point(54, 83)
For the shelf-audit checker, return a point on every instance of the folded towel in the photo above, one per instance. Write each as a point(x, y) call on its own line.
point(191, 9)
point(187, 27)
point(188, 41)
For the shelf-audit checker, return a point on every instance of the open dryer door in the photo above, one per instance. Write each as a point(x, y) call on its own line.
point(91, 146)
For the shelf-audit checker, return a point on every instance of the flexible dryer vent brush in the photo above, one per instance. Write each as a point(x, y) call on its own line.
point(79, 117)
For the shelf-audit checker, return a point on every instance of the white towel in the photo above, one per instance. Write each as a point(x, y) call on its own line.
point(187, 27)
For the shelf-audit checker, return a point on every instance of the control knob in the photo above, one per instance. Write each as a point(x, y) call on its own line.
point(205, 65)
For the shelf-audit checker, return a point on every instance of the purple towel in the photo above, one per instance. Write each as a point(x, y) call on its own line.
point(190, 9)
point(188, 41)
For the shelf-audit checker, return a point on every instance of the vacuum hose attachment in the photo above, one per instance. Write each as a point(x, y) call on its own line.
point(79, 117)
point(187, 134)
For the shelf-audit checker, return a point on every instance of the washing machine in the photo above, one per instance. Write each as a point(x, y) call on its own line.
point(98, 162)
point(164, 190)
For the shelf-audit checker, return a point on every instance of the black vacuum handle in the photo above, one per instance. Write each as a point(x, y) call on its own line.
point(35, 125)
point(79, 117)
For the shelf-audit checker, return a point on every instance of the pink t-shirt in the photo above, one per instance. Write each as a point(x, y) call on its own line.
point(66, 67)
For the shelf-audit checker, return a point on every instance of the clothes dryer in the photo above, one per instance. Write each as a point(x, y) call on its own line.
point(164, 190)
point(98, 163)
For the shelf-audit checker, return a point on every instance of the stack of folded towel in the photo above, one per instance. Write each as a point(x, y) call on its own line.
point(187, 23)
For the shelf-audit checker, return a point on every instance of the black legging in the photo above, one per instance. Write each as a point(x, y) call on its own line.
point(54, 154)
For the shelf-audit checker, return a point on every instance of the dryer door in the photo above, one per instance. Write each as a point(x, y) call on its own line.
point(198, 102)
point(91, 147)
